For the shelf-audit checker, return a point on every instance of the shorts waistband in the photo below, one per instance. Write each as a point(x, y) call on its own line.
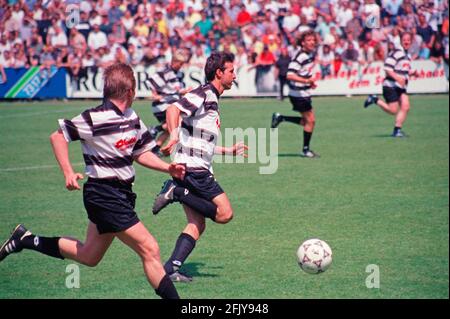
point(112, 182)
point(196, 169)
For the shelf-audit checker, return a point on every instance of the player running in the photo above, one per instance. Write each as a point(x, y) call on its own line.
point(301, 83)
point(398, 69)
point(195, 142)
point(112, 137)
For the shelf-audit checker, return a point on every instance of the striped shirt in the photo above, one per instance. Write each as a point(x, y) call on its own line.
point(200, 127)
point(166, 83)
point(398, 61)
point(301, 65)
point(110, 140)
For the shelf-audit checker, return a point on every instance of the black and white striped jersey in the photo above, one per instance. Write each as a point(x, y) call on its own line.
point(398, 61)
point(200, 127)
point(166, 83)
point(301, 65)
point(110, 140)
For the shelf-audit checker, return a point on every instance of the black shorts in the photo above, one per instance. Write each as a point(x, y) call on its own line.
point(301, 104)
point(110, 205)
point(201, 183)
point(160, 116)
point(392, 94)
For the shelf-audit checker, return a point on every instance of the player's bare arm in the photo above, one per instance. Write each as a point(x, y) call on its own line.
point(150, 160)
point(172, 120)
point(186, 90)
point(61, 151)
point(237, 149)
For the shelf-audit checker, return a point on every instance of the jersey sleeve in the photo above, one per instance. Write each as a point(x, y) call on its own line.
point(190, 103)
point(144, 142)
point(389, 63)
point(78, 128)
point(294, 67)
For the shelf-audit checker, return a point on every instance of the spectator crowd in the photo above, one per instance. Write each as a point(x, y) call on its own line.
point(82, 35)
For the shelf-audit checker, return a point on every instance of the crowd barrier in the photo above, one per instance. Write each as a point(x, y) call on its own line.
point(35, 82)
point(38, 82)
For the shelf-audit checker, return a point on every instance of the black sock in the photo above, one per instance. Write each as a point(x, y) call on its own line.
point(292, 119)
point(159, 128)
point(306, 139)
point(156, 149)
point(200, 205)
point(397, 129)
point(166, 289)
point(45, 245)
point(183, 248)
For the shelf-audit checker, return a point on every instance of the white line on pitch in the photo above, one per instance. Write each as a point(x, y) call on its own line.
point(34, 114)
point(27, 168)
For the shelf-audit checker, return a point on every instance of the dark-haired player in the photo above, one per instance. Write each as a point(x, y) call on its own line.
point(301, 83)
point(195, 142)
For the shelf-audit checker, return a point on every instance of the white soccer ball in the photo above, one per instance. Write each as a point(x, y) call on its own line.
point(314, 256)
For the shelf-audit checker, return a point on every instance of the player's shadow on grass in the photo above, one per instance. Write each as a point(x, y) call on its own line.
point(194, 269)
point(389, 136)
point(289, 155)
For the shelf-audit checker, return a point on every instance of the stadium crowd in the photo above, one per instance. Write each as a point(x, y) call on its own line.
point(95, 34)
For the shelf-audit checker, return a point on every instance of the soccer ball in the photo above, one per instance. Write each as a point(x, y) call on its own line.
point(314, 256)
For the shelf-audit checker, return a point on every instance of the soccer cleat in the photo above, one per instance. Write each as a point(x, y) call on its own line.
point(165, 196)
point(371, 99)
point(309, 154)
point(153, 132)
point(399, 133)
point(157, 151)
point(180, 277)
point(14, 244)
point(276, 120)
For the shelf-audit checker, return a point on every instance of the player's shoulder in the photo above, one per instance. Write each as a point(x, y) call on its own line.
point(298, 54)
point(399, 54)
point(303, 57)
point(200, 90)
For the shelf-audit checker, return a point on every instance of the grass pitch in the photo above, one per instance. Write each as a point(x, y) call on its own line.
point(376, 200)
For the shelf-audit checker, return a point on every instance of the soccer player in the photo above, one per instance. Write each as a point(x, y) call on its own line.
point(112, 137)
point(398, 69)
point(167, 87)
point(301, 83)
point(195, 142)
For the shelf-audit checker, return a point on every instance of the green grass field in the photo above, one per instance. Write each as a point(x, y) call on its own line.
point(374, 199)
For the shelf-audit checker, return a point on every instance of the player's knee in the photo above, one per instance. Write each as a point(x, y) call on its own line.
point(310, 120)
point(224, 216)
point(91, 261)
point(149, 250)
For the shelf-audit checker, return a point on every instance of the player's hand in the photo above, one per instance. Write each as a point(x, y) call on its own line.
point(239, 149)
point(186, 90)
point(156, 97)
point(177, 170)
point(413, 73)
point(401, 81)
point(170, 146)
point(72, 181)
point(313, 84)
